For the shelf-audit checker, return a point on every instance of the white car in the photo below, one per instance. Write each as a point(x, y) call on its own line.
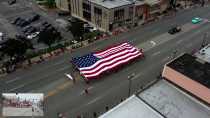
point(1, 36)
point(33, 35)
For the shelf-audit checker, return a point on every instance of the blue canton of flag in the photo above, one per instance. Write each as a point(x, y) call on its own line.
point(85, 61)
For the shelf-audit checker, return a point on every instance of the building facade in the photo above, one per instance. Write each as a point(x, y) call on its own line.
point(63, 4)
point(107, 15)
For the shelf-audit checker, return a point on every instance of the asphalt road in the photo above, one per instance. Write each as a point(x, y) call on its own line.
point(64, 96)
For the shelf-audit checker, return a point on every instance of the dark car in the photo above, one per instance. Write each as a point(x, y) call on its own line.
point(26, 29)
point(174, 30)
point(32, 30)
point(35, 17)
point(63, 13)
point(24, 23)
point(16, 20)
point(11, 2)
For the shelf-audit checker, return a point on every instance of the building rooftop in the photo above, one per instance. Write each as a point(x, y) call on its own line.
point(112, 3)
point(133, 107)
point(172, 102)
point(204, 53)
point(160, 100)
point(192, 67)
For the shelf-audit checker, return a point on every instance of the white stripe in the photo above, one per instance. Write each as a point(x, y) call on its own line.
point(113, 51)
point(109, 62)
point(109, 67)
point(105, 59)
point(102, 53)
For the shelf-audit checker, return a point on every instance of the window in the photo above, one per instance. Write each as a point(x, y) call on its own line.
point(86, 6)
point(119, 14)
point(97, 11)
point(87, 15)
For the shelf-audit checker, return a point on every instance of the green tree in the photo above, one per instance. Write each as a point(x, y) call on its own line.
point(49, 37)
point(50, 3)
point(15, 48)
point(77, 29)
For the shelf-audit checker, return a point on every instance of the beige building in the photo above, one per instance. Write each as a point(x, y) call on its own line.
point(103, 14)
point(107, 15)
point(63, 4)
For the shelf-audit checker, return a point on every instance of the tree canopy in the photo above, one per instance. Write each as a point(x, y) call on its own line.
point(49, 37)
point(15, 48)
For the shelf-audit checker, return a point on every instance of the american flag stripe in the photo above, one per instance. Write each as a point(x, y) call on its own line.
point(112, 50)
point(94, 64)
point(112, 66)
point(109, 63)
point(107, 59)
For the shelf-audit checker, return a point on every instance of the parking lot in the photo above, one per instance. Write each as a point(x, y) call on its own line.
point(15, 20)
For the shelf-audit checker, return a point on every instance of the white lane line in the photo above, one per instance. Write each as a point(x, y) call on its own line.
point(156, 53)
point(12, 80)
point(179, 42)
point(136, 76)
point(39, 79)
point(94, 100)
point(57, 63)
point(20, 86)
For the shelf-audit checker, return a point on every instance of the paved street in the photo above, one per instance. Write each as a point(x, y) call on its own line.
point(64, 96)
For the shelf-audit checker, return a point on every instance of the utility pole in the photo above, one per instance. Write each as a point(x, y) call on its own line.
point(130, 83)
point(204, 40)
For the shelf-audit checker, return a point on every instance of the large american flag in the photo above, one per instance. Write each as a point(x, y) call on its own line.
point(94, 64)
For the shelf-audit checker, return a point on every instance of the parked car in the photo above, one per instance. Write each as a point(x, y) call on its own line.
point(33, 35)
point(35, 17)
point(11, 2)
point(63, 13)
point(1, 36)
point(16, 20)
point(29, 29)
point(174, 30)
point(24, 23)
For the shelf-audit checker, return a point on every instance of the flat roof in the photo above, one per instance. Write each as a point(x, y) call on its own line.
point(172, 102)
point(133, 107)
point(204, 53)
point(152, 2)
point(112, 3)
point(192, 67)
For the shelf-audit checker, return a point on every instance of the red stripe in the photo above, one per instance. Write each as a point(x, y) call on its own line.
point(110, 59)
point(106, 65)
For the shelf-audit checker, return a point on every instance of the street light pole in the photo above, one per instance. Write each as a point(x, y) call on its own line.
point(204, 40)
point(130, 83)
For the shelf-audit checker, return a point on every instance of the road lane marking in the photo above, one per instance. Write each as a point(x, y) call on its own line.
point(94, 100)
point(64, 85)
point(136, 76)
point(58, 63)
point(12, 80)
point(58, 89)
point(156, 53)
point(51, 93)
point(39, 79)
point(18, 87)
